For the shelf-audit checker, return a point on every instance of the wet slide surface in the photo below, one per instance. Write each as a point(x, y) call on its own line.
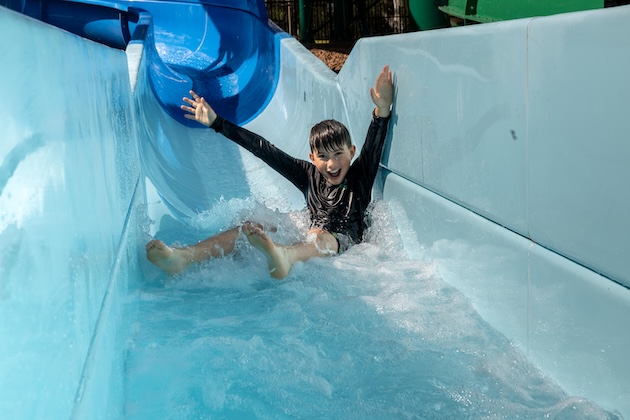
point(373, 333)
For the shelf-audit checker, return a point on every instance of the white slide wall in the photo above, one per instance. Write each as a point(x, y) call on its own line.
point(68, 233)
point(523, 124)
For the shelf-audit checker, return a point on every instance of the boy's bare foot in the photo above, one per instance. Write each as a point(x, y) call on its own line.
point(171, 260)
point(276, 257)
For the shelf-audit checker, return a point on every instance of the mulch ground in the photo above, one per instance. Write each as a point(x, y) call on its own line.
point(332, 55)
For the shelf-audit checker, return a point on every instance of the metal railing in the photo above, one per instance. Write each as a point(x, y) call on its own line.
point(327, 21)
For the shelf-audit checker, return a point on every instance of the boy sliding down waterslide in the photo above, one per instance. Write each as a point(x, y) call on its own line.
point(337, 191)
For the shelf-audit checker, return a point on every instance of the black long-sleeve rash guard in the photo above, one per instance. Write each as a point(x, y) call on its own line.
point(334, 208)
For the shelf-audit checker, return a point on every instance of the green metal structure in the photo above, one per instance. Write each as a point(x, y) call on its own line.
point(483, 11)
point(426, 14)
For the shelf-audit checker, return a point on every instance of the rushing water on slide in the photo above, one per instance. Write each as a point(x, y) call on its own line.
point(371, 333)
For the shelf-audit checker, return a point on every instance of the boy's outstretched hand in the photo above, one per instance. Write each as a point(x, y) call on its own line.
point(383, 93)
point(199, 110)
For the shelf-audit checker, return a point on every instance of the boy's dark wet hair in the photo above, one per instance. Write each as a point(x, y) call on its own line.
point(329, 135)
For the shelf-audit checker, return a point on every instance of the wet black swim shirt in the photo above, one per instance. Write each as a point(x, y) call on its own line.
point(334, 208)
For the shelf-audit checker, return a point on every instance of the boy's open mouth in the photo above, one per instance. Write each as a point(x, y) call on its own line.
point(335, 173)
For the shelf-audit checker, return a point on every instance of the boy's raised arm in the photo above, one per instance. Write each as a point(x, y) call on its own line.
point(383, 93)
point(199, 110)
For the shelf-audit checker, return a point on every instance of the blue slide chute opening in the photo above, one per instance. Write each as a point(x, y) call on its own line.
point(226, 51)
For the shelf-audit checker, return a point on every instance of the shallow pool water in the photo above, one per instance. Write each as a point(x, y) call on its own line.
point(369, 334)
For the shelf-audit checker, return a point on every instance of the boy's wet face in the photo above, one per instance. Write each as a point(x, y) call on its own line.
point(333, 164)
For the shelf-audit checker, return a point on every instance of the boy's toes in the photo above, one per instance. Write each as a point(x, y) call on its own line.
point(251, 228)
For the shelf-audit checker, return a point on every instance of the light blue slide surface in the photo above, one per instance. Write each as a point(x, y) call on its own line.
point(506, 167)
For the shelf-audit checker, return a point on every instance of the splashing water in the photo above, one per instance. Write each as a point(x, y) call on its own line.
point(370, 333)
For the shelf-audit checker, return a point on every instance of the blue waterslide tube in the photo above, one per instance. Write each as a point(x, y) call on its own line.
point(226, 51)
point(225, 54)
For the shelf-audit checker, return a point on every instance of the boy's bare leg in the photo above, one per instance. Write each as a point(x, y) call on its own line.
point(175, 260)
point(281, 258)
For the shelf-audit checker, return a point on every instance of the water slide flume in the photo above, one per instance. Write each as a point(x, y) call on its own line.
point(487, 154)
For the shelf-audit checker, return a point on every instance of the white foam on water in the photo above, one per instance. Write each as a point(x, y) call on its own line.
point(370, 333)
